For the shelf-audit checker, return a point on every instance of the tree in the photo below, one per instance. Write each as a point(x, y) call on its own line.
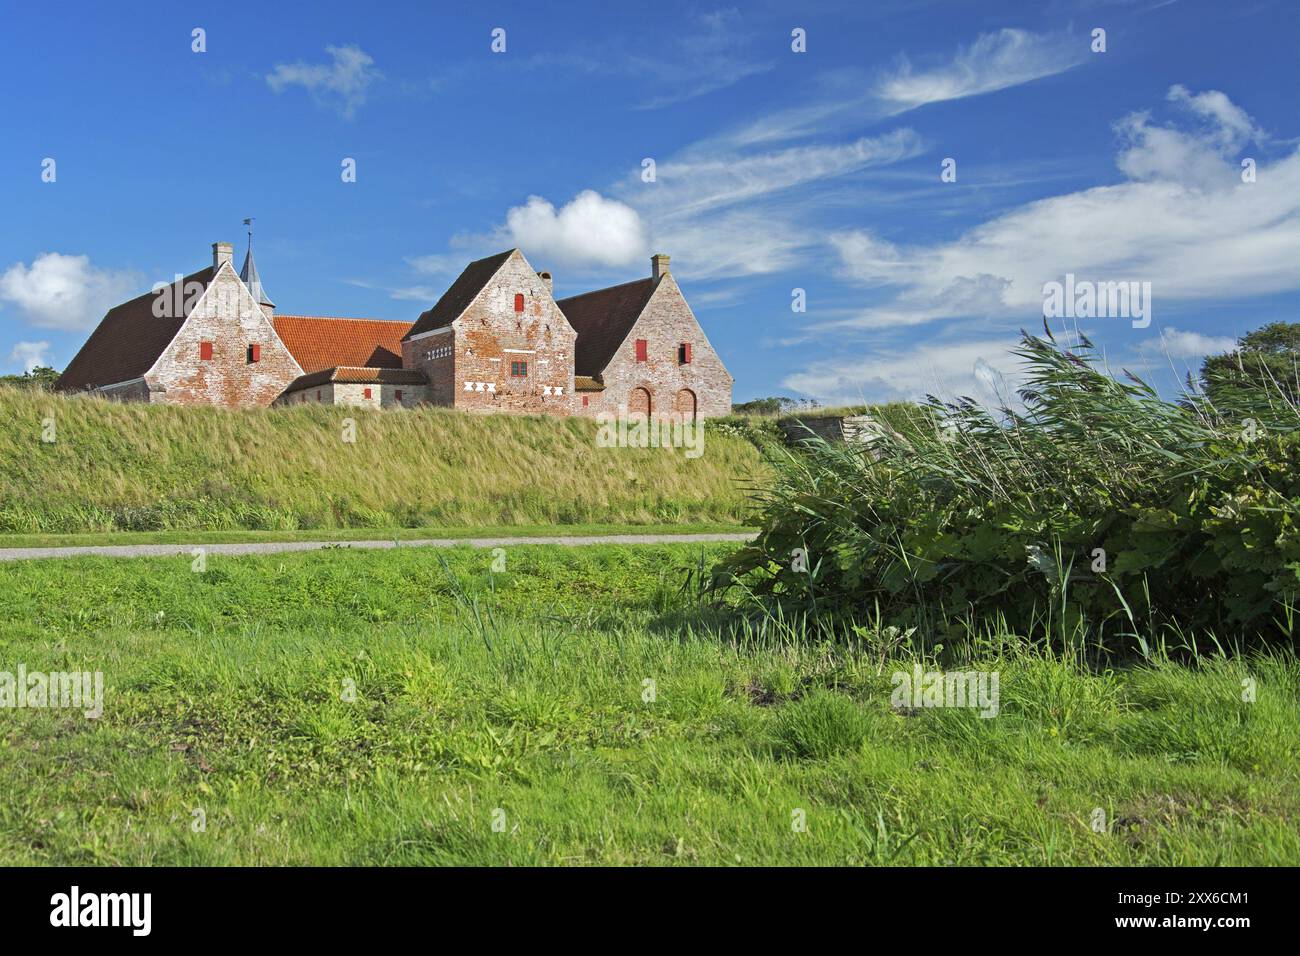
point(1268, 358)
point(42, 377)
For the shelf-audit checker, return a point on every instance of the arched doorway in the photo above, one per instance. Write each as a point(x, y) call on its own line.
point(684, 405)
point(638, 402)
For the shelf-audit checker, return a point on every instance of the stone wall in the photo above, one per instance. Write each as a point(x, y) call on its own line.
point(226, 316)
point(489, 336)
point(665, 323)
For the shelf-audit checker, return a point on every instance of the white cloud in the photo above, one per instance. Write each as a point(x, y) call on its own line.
point(1231, 125)
point(978, 368)
point(1181, 345)
point(995, 61)
point(1183, 221)
point(63, 292)
point(588, 230)
point(28, 355)
point(341, 85)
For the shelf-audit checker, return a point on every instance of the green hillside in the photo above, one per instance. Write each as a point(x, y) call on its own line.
point(132, 467)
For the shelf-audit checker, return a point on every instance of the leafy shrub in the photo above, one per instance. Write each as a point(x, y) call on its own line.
point(1096, 512)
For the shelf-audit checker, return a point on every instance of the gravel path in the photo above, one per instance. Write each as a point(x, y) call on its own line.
point(275, 547)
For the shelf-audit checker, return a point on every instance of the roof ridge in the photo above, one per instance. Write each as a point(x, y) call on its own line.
point(338, 318)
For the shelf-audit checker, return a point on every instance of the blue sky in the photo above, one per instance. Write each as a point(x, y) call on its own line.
point(775, 170)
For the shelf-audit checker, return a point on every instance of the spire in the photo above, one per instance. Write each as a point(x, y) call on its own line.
point(249, 272)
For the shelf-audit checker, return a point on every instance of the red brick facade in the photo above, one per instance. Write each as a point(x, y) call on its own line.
point(496, 341)
point(239, 332)
point(699, 387)
point(494, 358)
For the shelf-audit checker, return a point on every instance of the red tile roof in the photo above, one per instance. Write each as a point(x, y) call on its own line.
point(129, 339)
point(321, 342)
point(462, 292)
point(602, 320)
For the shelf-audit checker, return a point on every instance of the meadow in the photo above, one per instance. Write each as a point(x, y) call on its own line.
point(78, 465)
point(593, 706)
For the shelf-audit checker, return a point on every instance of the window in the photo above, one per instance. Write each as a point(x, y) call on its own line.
point(519, 302)
point(254, 353)
point(205, 351)
point(518, 369)
point(586, 400)
point(397, 395)
point(684, 354)
point(366, 393)
point(640, 350)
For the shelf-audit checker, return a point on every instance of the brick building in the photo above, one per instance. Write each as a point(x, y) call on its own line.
point(497, 340)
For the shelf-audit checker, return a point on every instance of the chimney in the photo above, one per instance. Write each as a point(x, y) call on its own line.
point(222, 252)
point(658, 265)
point(546, 277)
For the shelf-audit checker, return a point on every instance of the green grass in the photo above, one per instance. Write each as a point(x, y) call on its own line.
point(130, 467)
point(357, 534)
point(522, 692)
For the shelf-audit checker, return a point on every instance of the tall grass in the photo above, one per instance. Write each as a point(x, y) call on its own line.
point(1093, 511)
point(132, 467)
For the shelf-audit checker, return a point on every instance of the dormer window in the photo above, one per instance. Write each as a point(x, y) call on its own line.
point(519, 302)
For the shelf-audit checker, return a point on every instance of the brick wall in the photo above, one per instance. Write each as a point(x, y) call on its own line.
point(489, 336)
point(226, 316)
point(434, 355)
point(665, 323)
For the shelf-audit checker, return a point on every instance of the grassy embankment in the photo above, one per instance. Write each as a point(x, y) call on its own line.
point(122, 468)
point(520, 698)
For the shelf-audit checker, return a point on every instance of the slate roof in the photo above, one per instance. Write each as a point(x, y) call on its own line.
point(253, 280)
point(129, 339)
point(602, 320)
point(321, 342)
point(462, 292)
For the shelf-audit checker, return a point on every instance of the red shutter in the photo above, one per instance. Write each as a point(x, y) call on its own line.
point(254, 353)
point(684, 353)
point(398, 395)
point(640, 350)
point(367, 393)
point(205, 351)
point(519, 302)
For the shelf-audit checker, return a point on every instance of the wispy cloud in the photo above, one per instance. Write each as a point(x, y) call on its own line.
point(995, 61)
point(341, 85)
point(981, 368)
point(856, 98)
point(711, 56)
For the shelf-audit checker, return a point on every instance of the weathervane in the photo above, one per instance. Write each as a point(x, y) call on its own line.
point(249, 223)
